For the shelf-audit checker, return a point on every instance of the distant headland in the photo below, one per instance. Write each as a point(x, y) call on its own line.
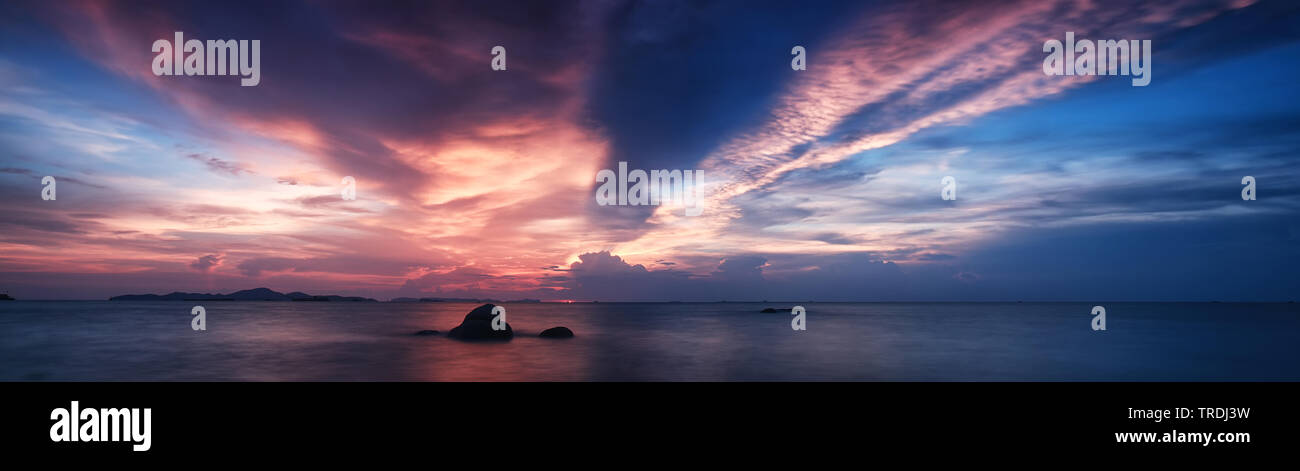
point(267, 294)
point(256, 294)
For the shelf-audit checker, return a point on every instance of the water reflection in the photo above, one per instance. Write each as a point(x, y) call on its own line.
point(270, 341)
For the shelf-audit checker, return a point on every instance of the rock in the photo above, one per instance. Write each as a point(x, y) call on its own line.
point(771, 310)
point(427, 332)
point(478, 325)
point(556, 333)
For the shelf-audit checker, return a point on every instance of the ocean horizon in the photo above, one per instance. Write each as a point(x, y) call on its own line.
point(650, 341)
point(1066, 226)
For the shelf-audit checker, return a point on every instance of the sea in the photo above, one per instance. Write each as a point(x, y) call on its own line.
point(723, 341)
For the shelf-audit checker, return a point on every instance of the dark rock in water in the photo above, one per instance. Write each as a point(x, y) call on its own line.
point(478, 325)
point(556, 333)
point(5, 297)
point(427, 332)
point(771, 310)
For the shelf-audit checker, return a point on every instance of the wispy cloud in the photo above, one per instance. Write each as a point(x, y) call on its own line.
point(899, 70)
point(472, 182)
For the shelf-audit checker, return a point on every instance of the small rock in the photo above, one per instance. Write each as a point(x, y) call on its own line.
point(427, 332)
point(556, 333)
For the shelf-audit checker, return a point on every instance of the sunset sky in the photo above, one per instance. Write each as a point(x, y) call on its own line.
point(824, 184)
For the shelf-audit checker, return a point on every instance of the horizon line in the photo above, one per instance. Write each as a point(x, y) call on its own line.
point(528, 301)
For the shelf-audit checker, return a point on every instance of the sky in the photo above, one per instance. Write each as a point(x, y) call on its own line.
point(821, 184)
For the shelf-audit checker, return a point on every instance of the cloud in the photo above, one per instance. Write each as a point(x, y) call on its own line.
point(206, 263)
point(896, 71)
point(220, 166)
point(480, 183)
point(338, 264)
point(16, 171)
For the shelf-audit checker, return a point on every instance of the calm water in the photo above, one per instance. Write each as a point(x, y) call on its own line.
point(268, 341)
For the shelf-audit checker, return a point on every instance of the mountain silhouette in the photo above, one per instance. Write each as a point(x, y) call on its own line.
point(255, 294)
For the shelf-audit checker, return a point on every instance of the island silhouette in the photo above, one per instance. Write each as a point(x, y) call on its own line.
point(255, 294)
point(267, 294)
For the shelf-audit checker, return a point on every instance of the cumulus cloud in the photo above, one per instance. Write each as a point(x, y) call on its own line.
point(477, 182)
point(206, 263)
